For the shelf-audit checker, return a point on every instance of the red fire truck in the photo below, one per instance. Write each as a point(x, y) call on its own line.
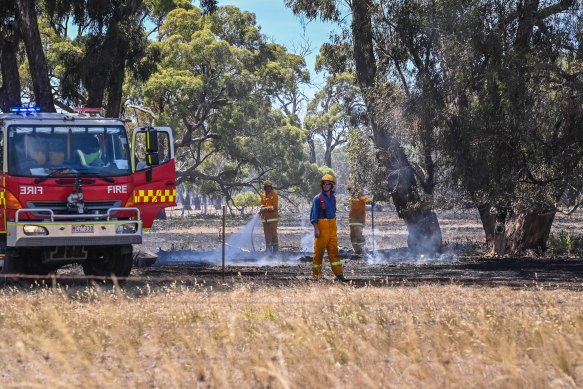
point(76, 189)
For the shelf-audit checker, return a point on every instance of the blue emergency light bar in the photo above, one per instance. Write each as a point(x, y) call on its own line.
point(24, 109)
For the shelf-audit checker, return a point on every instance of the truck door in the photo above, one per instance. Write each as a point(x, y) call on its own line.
point(154, 171)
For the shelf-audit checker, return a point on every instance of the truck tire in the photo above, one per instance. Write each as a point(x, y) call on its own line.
point(12, 265)
point(114, 261)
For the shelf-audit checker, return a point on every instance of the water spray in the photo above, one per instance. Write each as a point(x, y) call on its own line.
point(253, 233)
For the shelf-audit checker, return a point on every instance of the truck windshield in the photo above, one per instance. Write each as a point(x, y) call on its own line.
point(37, 151)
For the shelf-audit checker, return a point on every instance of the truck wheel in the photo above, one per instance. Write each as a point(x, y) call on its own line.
point(117, 262)
point(12, 265)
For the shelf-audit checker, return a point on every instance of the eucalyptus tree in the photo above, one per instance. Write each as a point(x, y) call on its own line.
point(378, 93)
point(283, 78)
point(19, 23)
point(408, 48)
point(515, 110)
point(334, 111)
point(213, 87)
point(10, 39)
point(111, 41)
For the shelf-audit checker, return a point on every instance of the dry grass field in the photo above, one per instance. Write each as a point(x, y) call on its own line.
point(466, 323)
point(318, 335)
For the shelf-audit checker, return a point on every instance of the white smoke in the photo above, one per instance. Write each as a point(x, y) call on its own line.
point(240, 249)
point(307, 241)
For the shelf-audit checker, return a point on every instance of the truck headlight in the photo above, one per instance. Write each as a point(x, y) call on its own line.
point(128, 228)
point(35, 230)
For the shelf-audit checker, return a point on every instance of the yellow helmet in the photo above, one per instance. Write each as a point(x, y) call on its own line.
point(267, 183)
point(327, 177)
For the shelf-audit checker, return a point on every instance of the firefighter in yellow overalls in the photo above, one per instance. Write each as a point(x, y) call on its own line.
point(269, 217)
point(323, 218)
point(356, 220)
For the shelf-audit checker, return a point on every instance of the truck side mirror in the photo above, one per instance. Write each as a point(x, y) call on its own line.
point(152, 141)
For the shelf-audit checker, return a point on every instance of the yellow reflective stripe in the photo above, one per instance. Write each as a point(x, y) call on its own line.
point(315, 265)
point(336, 263)
point(2, 199)
point(356, 224)
point(269, 220)
point(154, 196)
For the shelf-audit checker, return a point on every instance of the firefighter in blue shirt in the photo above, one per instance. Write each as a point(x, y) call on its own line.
point(323, 218)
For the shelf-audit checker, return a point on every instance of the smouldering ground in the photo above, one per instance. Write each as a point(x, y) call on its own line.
point(312, 336)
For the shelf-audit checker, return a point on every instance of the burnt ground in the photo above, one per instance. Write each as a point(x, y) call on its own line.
point(188, 254)
point(462, 263)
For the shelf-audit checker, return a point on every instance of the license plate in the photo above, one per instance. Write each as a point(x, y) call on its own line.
point(82, 229)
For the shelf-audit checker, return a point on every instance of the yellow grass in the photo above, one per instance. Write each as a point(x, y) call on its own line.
point(314, 336)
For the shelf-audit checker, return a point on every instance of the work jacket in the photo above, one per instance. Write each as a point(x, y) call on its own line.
point(357, 215)
point(269, 201)
point(323, 207)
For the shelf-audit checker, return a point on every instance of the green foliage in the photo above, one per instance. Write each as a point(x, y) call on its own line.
point(333, 111)
point(313, 9)
point(314, 177)
point(563, 243)
point(514, 136)
point(111, 43)
point(246, 200)
point(215, 83)
point(365, 172)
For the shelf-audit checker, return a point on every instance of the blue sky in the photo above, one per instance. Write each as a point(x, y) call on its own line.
point(280, 25)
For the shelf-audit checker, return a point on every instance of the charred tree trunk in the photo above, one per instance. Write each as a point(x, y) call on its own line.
point(422, 224)
point(37, 62)
point(528, 231)
point(10, 90)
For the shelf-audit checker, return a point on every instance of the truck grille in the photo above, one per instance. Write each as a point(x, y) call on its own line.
point(60, 207)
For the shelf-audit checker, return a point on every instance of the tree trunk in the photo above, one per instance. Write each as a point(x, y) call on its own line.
point(186, 203)
point(10, 90)
point(37, 62)
point(488, 219)
point(97, 72)
point(328, 157)
point(116, 78)
point(422, 224)
point(312, 148)
point(528, 231)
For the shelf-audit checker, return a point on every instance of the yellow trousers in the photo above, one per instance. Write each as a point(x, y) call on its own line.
point(328, 240)
point(271, 240)
point(357, 238)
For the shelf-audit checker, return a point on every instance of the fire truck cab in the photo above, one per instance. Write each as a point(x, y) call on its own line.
point(74, 188)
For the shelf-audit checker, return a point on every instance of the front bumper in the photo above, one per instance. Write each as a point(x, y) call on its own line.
point(85, 230)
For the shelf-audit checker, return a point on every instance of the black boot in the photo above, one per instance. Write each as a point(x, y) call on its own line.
point(341, 278)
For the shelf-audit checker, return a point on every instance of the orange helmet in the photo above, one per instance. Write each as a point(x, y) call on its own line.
point(327, 177)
